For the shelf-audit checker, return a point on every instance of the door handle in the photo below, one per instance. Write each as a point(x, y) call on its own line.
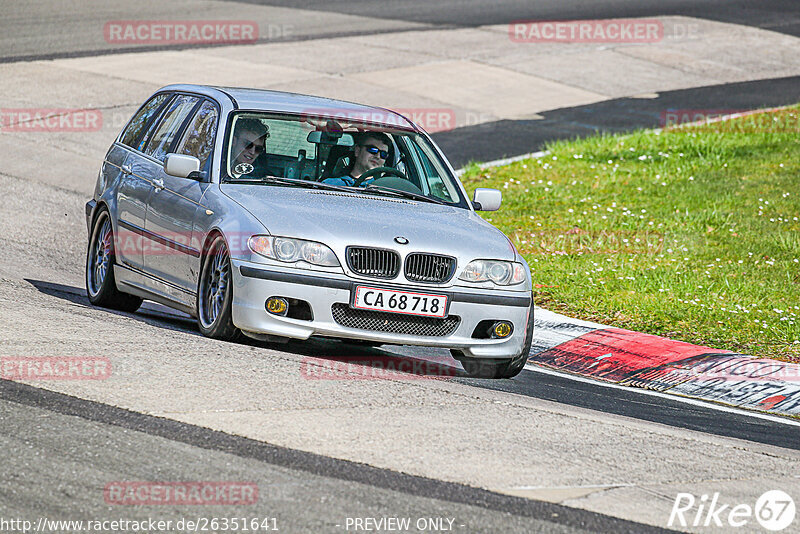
point(126, 169)
point(158, 183)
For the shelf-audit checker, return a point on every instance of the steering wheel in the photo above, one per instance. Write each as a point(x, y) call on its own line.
point(379, 170)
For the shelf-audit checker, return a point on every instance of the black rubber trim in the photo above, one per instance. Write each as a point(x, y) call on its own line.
point(310, 280)
point(493, 300)
point(226, 93)
point(292, 278)
point(158, 239)
point(89, 211)
point(152, 277)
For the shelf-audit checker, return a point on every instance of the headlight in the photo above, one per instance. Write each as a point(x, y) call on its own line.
point(502, 273)
point(291, 250)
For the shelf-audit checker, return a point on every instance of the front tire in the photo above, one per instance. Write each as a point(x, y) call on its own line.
point(215, 293)
point(101, 288)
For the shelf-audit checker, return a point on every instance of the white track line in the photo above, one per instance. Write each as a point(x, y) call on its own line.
point(679, 398)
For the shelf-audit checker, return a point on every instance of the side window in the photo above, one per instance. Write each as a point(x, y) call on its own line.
point(433, 173)
point(167, 129)
point(198, 141)
point(139, 121)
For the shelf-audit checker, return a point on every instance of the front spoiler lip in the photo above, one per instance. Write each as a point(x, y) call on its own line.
point(312, 280)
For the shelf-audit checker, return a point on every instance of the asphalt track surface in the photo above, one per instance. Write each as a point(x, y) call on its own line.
point(48, 30)
point(500, 139)
point(45, 434)
point(776, 15)
point(557, 387)
point(305, 492)
point(30, 33)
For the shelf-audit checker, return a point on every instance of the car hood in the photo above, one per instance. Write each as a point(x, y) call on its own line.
point(343, 219)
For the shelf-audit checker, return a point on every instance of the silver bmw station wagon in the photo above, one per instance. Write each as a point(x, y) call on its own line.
point(279, 215)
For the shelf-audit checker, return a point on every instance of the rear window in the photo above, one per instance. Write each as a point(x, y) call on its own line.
point(289, 138)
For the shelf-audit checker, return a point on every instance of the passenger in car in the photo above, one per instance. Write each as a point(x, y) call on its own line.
point(249, 143)
point(371, 151)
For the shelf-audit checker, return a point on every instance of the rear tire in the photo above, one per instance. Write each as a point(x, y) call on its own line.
point(101, 288)
point(215, 293)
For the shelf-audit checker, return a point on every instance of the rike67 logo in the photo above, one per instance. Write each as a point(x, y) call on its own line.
point(774, 511)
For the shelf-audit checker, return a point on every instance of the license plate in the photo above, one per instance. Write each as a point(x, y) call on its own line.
point(372, 298)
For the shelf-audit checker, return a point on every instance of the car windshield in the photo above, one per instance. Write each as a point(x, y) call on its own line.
point(361, 157)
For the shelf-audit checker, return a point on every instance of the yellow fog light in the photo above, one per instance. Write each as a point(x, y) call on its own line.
point(501, 329)
point(277, 305)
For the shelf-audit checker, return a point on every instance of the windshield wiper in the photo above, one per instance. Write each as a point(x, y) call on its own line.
point(295, 182)
point(401, 193)
point(329, 187)
point(303, 183)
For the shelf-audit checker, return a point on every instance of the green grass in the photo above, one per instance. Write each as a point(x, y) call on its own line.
point(689, 233)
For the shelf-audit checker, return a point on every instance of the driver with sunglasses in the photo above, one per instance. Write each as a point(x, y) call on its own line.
point(371, 151)
point(248, 144)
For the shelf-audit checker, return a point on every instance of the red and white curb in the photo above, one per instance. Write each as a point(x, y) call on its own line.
point(634, 359)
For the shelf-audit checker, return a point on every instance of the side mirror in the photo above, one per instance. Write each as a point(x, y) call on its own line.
point(182, 166)
point(487, 199)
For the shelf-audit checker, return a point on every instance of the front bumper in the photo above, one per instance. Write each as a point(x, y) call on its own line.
point(254, 283)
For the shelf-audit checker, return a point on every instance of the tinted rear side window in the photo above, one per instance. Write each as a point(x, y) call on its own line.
point(133, 132)
point(171, 122)
point(198, 141)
